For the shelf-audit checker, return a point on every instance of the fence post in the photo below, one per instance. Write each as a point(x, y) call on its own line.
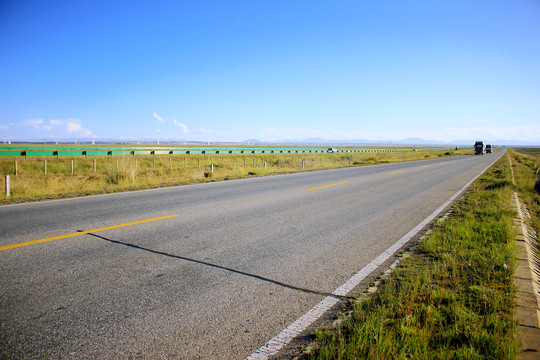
point(170, 163)
point(7, 186)
point(45, 166)
point(212, 167)
point(154, 162)
point(264, 164)
point(71, 167)
point(94, 164)
point(303, 163)
point(16, 168)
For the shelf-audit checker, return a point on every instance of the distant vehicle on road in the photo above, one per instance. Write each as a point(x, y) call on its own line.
point(489, 149)
point(331, 150)
point(479, 148)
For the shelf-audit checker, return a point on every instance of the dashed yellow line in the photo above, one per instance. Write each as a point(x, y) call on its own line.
point(82, 233)
point(320, 187)
point(393, 172)
point(425, 166)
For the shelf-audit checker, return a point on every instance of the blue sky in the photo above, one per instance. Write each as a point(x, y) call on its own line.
point(270, 70)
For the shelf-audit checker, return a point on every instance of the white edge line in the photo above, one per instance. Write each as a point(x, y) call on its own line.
point(303, 322)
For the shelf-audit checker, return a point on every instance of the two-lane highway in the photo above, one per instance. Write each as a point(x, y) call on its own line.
point(209, 271)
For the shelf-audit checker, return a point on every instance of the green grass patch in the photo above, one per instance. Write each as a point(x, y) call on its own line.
point(453, 298)
point(526, 165)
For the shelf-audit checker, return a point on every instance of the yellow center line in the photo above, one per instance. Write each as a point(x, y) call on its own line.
point(82, 233)
point(425, 166)
point(320, 187)
point(394, 172)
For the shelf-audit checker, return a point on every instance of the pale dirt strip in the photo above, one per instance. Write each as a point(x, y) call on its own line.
point(527, 282)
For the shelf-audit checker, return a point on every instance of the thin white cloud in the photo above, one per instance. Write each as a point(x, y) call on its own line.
point(159, 118)
point(73, 127)
point(207, 131)
point(76, 128)
point(524, 133)
point(3, 127)
point(61, 128)
point(182, 126)
point(35, 123)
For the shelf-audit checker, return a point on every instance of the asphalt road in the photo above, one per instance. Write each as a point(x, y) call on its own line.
point(216, 280)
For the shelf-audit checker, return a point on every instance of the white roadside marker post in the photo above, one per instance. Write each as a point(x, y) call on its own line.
point(7, 186)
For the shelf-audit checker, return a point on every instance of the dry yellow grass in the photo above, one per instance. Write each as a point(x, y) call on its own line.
point(124, 173)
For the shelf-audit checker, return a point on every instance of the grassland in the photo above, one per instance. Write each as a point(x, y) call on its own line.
point(48, 177)
point(453, 297)
point(531, 151)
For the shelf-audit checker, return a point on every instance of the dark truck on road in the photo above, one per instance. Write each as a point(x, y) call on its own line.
point(479, 148)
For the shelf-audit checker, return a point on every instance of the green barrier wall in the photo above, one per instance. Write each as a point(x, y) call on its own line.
point(70, 150)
